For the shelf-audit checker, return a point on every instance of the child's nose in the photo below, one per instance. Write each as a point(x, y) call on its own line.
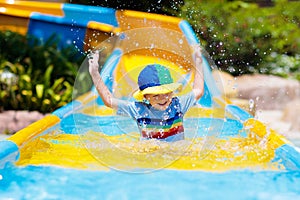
point(164, 96)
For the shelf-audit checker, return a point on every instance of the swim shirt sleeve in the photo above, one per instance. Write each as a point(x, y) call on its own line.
point(127, 108)
point(187, 101)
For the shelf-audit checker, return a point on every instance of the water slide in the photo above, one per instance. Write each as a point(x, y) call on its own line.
point(86, 139)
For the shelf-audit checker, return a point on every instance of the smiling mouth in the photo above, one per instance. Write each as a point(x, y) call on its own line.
point(162, 104)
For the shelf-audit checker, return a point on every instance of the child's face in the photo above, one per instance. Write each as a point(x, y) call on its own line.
point(159, 101)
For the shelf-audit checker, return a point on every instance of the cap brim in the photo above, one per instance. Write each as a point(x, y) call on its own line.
point(162, 89)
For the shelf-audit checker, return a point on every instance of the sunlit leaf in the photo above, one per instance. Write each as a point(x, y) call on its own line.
point(47, 101)
point(26, 92)
point(47, 76)
point(57, 84)
point(26, 78)
point(39, 90)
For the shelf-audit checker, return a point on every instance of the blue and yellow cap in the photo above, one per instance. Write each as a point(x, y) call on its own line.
point(155, 79)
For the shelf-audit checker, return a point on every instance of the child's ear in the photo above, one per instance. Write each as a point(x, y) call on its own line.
point(146, 101)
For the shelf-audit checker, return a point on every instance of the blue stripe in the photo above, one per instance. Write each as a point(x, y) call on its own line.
point(83, 14)
point(9, 152)
point(288, 156)
point(64, 29)
point(67, 109)
point(237, 112)
point(149, 85)
point(159, 122)
point(188, 32)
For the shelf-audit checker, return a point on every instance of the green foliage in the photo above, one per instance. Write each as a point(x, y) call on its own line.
point(153, 6)
point(241, 37)
point(33, 76)
point(282, 65)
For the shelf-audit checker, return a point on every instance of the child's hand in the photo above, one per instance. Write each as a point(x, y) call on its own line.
point(93, 63)
point(197, 55)
point(198, 87)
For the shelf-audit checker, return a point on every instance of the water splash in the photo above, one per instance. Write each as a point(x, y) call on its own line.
point(126, 153)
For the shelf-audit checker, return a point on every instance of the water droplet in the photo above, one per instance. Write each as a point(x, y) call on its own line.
point(251, 104)
point(152, 46)
point(122, 36)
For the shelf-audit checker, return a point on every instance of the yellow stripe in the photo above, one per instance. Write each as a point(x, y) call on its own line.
point(101, 27)
point(96, 110)
point(34, 130)
point(128, 20)
point(151, 16)
point(28, 6)
point(259, 129)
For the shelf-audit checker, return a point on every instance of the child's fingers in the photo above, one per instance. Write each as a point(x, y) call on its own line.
point(94, 55)
point(198, 61)
point(197, 50)
point(93, 59)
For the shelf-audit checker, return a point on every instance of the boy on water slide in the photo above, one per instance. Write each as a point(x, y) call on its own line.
point(157, 111)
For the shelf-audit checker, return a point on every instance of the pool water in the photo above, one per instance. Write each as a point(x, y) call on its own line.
point(48, 182)
point(65, 163)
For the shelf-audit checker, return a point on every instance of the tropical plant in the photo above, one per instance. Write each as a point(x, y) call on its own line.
point(36, 76)
point(243, 37)
point(153, 6)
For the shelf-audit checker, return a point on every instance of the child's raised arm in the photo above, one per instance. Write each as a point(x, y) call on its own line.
point(198, 87)
point(103, 91)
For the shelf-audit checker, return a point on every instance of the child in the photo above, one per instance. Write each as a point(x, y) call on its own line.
point(158, 113)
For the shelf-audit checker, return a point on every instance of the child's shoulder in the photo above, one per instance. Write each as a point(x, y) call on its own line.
point(141, 106)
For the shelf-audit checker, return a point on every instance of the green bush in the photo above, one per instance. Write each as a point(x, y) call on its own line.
point(243, 37)
point(154, 6)
point(282, 65)
point(34, 76)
